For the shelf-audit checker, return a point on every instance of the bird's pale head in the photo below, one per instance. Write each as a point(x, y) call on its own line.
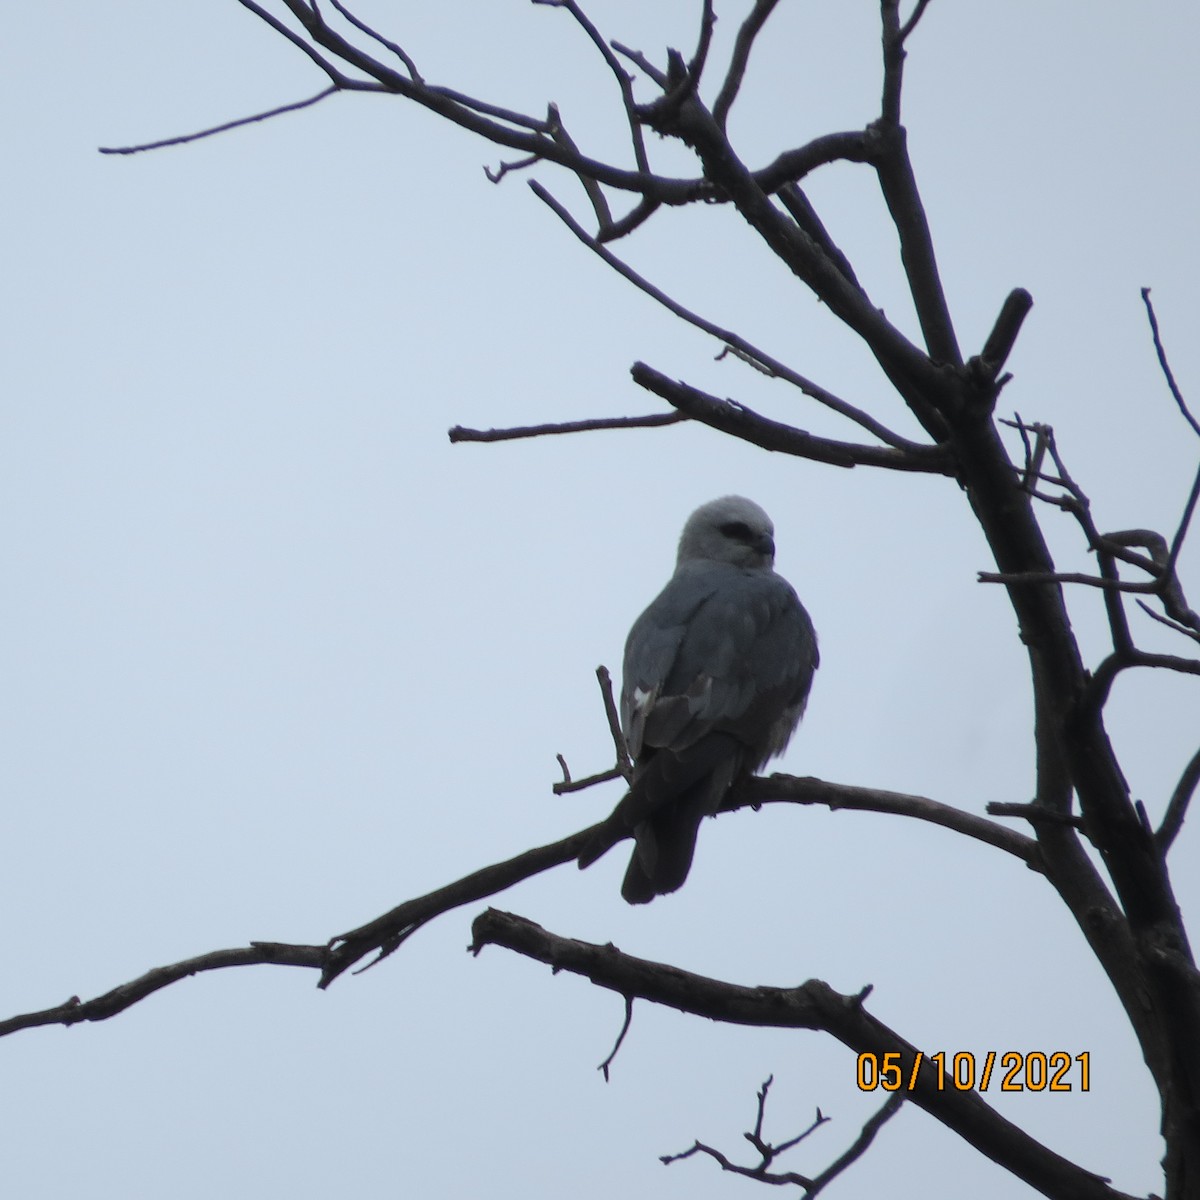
point(729, 530)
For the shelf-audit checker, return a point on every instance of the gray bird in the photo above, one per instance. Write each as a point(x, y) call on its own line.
point(717, 672)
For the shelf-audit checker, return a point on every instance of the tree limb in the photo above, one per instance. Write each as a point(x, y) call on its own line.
point(127, 994)
point(743, 44)
point(742, 422)
point(813, 1005)
point(772, 365)
point(460, 433)
point(183, 139)
point(1172, 821)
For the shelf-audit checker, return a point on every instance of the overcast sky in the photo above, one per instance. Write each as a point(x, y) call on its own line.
point(277, 656)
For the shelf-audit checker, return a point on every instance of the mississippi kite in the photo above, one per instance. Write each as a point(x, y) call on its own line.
point(716, 676)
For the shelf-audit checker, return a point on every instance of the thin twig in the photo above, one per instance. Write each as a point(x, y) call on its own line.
point(533, 124)
point(1158, 564)
point(464, 111)
point(1034, 577)
point(620, 745)
point(120, 998)
point(1177, 541)
point(1175, 625)
point(767, 1152)
point(568, 785)
point(1160, 350)
point(743, 422)
point(743, 44)
point(695, 68)
point(1105, 549)
point(603, 1067)
point(623, 78)
point(397, 50)
point(903, 199)
point(758, 1174)
point(860, 1146)
point(595, 193)
point(1095, 694)
point(335, 76)
point(774, 366)
point(183, 139)
point(640, 61)
point(460, 433)
point(803, 213)
point(911, 23)
point(521, 164)
point(1172, 821)
point(1035, 813)
point(1028, 474)
point(641, 212)
point(755, 1137)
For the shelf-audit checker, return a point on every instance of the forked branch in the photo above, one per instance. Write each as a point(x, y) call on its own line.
point(812, 1005)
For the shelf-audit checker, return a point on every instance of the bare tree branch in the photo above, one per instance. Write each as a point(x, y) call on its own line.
point(742, 422)
point(743, 44)
point(1035, 577)
point(1175, 625)
point(773, 365)
point(643, 64)
point(623, 769)
point(182, 139)
point(812, 1005)
point(335, 76)
point(803, 213)
point(925, 388)
point(1169, 375)
point(640, 213)
point(861, 1144)
point(761, 1173)
point(1136, 931)
point(387, 43)
point(386, 933)
point(120, 998)
point(460, 433)
point(1189, 509)
point(623, 78)
point(903, 199)
point(791, 789)
point(463, 110)
point(603, 1068)
point(911, 23)
point(1172, 821)
point(1003, 337)
point(1037, 812)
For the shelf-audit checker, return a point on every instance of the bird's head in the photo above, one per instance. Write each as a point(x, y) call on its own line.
point(730, 530)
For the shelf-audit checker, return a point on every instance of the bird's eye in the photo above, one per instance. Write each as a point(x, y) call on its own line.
point(738, 530)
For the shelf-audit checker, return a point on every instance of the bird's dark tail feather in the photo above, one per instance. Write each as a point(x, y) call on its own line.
point(666, 844)
point(671, 794)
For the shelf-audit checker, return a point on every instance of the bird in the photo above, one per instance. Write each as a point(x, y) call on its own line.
point(717, 673)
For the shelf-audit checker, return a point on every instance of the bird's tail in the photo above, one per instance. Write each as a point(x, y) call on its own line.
point(666, 844)
point(672, 793)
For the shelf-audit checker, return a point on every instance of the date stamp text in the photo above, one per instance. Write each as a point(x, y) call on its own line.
point(1012, 1071)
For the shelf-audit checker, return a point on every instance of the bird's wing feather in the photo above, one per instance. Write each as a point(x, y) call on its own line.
point(722, 649)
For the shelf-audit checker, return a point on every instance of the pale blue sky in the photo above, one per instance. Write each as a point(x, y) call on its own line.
point(277, 656)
